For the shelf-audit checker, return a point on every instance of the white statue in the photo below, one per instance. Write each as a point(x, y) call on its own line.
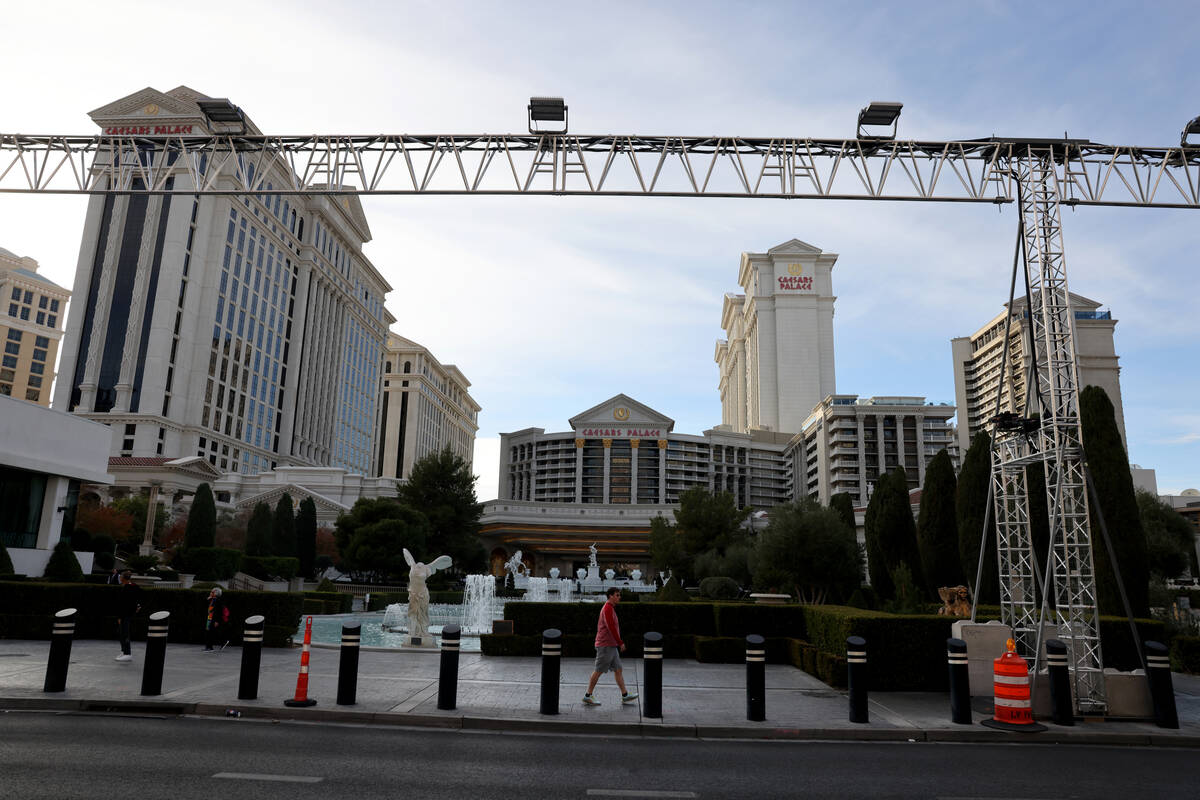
point(592, 555)
point(609, 574)
point(554, 573)
point(515, 565)
point(636, 575)
point(418, 594)
point(581, 573)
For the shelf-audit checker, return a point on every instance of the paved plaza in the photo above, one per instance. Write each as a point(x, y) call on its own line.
point(401, 688)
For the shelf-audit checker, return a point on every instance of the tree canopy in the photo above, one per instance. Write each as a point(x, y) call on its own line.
point(1109, 468)
point(843, 504)
point(202, 519)
point(283, 537)
point(971, 507)
point(813, 549)
point(1169, 539)
point(306, 536)
point(895, 530)
point(373, 535)
point(442, 487)
point(260, 531)
point(937, 526)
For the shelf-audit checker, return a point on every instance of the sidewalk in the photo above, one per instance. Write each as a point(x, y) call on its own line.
point(400, 688)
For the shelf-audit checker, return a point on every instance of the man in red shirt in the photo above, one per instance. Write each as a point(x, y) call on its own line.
point(608, 649)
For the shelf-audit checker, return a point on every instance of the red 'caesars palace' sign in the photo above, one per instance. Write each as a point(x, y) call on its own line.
point(622, 433)
point(147, 130)
point(794, 282)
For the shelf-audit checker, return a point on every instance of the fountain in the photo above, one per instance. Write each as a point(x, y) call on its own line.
point(565, 588)
point(479, 597)
point(537, 590)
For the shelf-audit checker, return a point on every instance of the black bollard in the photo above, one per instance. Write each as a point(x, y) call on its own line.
point(156, 652)
point(652, 656)
point(960, 682)
point(252, 642)
point(856, 677)
point(551, 662)
point(1162, 691)
point(1058, 672)
point(348, 666)
point(756, 678)
point(448, 670)
point(60, 651)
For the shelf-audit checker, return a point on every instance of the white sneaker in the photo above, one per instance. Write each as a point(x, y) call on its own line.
point(123, 657)
point(588, 700)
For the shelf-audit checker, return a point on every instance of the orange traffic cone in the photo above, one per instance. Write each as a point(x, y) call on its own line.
point(1013, 709)
point(301, 698)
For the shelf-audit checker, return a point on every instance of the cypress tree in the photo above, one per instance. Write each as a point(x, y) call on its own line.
point(63, 567)
point(881, 579)
point(284, 537)
point(1109, 467)
point(1039, 518)
point(306, 536)
point(971, 504)
point(937, 527)
point(896, 530)
point(202, 519)
point(844, 506)
point(259, 531)
point(6, 565)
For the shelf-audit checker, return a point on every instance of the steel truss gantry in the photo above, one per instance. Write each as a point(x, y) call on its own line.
point(538, 164)
point(1039, 175)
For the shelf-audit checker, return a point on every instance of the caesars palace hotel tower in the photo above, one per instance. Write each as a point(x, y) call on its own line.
point(776, 362)
point(248, 330)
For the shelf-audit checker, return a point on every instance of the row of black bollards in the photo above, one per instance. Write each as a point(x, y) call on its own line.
point(1158, 670)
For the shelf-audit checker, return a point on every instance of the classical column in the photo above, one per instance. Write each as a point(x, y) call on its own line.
point(607, 467)
point(579, 470)
point(137, 305)
point(920, 449)
point(108, 269)
point(900, 443)
point(881, 445)
point(633, 470)
point(147, 547)
point(662, 471)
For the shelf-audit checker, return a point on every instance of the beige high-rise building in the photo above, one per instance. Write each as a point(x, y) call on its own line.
point(426, 406)
point(977, 359)
point(30, 327)
point(776, 362)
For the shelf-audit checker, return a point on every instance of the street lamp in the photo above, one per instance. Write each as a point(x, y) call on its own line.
point(222, 115)
point(879, 114)
point(547, 109)
point(1190, 128)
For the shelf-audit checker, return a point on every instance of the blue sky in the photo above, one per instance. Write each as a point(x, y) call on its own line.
point(550, 305)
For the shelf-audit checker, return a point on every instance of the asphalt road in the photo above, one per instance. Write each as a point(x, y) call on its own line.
point(57, 755)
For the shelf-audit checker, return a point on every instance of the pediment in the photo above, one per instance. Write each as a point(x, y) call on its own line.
point(621, 410)
point(794, 247)
point(150, 104)
point(298, 493)
point(196, 465)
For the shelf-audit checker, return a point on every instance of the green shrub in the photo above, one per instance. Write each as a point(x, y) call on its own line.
point(381, 600)
point(328, 603)
point(720, 649)
point(211, 563)
point(63, 566)
point(141, 565)
point(719, 588)
point(103, 546)
point(739, 619)
point(1185, 654)
point(97, 617)
point(493, 645)
point(671, 592)
point(326, 585)
point(270, 568)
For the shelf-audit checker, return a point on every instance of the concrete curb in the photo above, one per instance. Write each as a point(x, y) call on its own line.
point(964, 734)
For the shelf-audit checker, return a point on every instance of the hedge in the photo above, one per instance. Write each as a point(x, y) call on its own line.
point(38, 602)
point(1185, 654)
point(328, 603)
point(211, 563)
point(381, 600)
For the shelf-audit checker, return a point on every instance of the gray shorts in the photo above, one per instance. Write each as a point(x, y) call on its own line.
point(608, 658)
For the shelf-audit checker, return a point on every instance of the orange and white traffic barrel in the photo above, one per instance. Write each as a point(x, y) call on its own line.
point(1013, 708)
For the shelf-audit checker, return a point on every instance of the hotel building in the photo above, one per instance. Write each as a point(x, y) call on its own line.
point(847, 443)
point(776, 361)
point(977, 359)
point(30, 328)
point(426, 406)
point(246, 330)
point(619, 465)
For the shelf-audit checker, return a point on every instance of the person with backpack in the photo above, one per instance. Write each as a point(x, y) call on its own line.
point(215, 621)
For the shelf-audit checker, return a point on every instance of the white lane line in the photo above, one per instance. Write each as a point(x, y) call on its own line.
point(257, 776)
point(636, 793)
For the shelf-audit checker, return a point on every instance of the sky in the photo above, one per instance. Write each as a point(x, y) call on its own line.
point(552, 305)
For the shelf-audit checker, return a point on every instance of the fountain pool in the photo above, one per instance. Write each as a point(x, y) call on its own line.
point(327, 631)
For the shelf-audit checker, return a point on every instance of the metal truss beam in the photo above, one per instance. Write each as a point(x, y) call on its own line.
point(976, 171)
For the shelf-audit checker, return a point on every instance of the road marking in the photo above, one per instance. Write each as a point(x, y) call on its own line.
point(255, 776)
point(636, 793)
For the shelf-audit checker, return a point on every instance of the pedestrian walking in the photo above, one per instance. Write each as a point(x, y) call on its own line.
point(115, 578)
point(129, 602)
point(609, 647)
point(215, 621)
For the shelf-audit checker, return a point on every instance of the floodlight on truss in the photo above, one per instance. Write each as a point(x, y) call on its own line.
point(222, 115)
point(547, 109)
point(1192, 127)
point(879, 114)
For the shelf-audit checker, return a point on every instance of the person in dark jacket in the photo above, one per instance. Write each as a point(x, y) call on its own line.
point(214, 622)
point(129, 602)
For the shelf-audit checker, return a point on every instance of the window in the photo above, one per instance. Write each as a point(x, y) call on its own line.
point(12, 347)
point(7, 375)
point(28, 297)
point(12, 309)
point(41, 318)
point(54, 306)
point(43, 301)
point(34, 380)
point(52, 321)
point(14, 335)
point(32, 394)
point(16, 295)
point(40, 341)
point(25, 312)
point(37, 368)
point(10, 361)
point(5, 389)
point(39, 355)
